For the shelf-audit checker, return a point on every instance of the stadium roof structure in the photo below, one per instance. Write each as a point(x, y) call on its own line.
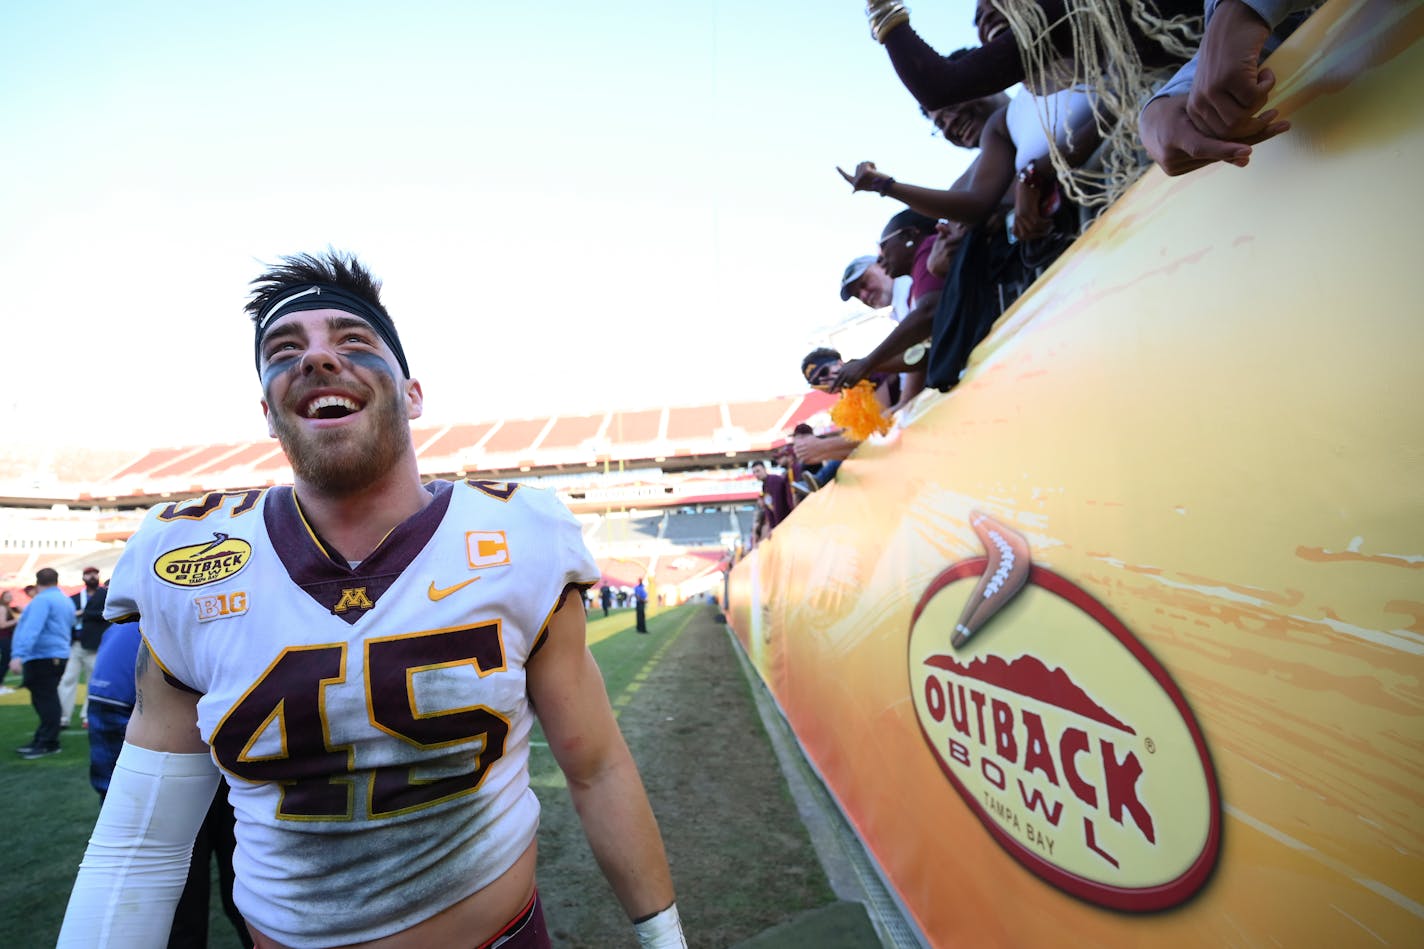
point(666, 439)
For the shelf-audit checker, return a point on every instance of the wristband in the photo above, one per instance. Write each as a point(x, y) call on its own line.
point(884, 16)
point(883, 185)
point(661, 931)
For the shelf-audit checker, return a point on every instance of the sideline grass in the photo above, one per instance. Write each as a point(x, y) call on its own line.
point(49, 809)
point(741, 860)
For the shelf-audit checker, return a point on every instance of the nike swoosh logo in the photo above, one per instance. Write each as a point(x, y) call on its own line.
point(438, 594)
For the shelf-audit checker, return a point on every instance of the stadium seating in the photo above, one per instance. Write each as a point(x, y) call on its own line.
point(653, 486)
point(683, 438)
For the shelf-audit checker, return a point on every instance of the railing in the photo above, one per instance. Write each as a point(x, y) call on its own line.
point(1120, 642)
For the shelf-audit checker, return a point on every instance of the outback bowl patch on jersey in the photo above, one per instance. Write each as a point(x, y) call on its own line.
point(1069, 742)
point(197, 565)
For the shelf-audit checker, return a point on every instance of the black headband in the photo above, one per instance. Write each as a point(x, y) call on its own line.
point(323, 296)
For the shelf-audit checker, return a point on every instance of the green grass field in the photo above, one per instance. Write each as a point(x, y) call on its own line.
point(741, 861)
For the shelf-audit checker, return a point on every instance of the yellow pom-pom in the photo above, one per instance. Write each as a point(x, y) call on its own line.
point(858, 413)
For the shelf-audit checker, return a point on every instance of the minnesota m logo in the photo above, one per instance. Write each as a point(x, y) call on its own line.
point(353, 598)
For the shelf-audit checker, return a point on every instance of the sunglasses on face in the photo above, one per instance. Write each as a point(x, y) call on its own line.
point(819, 377)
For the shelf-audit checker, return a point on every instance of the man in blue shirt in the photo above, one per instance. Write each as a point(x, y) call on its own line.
point(39, 654)
point(640, 597)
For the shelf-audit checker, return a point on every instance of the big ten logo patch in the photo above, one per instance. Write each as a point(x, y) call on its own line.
point(487, 549)
point(213, 606)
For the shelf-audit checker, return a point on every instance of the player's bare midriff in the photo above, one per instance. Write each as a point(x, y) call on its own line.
point(470, 922)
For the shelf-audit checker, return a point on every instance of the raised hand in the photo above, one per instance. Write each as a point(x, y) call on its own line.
point(865, 178)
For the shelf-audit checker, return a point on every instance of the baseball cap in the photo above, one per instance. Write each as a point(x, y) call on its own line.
point(853, 272)
point(89, 570)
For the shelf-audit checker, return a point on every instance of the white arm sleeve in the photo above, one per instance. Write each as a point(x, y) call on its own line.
point(137, 860)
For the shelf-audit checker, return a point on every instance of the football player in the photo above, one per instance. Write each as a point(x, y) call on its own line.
point(362, 654)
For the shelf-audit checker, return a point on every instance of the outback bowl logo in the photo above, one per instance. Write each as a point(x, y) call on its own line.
point(200, 564)
point(1071, 744)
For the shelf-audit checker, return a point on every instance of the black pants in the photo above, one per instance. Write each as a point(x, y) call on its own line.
point(642, 616)
point(42, 679)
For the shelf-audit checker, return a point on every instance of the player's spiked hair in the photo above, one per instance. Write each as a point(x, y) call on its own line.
point(333, 268)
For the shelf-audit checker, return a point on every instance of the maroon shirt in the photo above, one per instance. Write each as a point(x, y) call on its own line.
point(778, 494)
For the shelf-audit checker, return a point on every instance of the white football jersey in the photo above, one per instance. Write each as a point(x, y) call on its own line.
point(373, 722)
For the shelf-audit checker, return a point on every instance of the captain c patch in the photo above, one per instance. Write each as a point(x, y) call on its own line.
point(487, 549)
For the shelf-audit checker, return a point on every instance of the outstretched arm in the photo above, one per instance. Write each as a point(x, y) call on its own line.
point(970, 199)
point(569, 697)
point(813, 448)
point(936, 81)
point(913, 329)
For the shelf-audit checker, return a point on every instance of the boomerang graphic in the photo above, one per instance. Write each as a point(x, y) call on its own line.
point(1004, 576)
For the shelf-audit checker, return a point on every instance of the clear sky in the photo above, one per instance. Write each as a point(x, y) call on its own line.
point(574, 206)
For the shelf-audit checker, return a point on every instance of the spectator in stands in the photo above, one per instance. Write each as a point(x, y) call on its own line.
point(905, 245)
point(994, 265)
point(640, 601)
point(802, 428)
point(803, 476)
point(111, 701)
point(1211, 110)
point(826, 451)
point(9, 616)
point(1011, 171)
point(605, 596)
point(775, 493)
point(41, 649)
point(89, 627)
point(868, 282)
point(904, 345)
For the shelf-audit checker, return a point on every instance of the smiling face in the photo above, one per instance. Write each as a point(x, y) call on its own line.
point(336, 399)
point(897, 252)
point(988, 21)
point(874, 287)
point(963, 123)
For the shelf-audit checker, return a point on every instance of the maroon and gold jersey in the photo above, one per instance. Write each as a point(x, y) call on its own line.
point(371, 719)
